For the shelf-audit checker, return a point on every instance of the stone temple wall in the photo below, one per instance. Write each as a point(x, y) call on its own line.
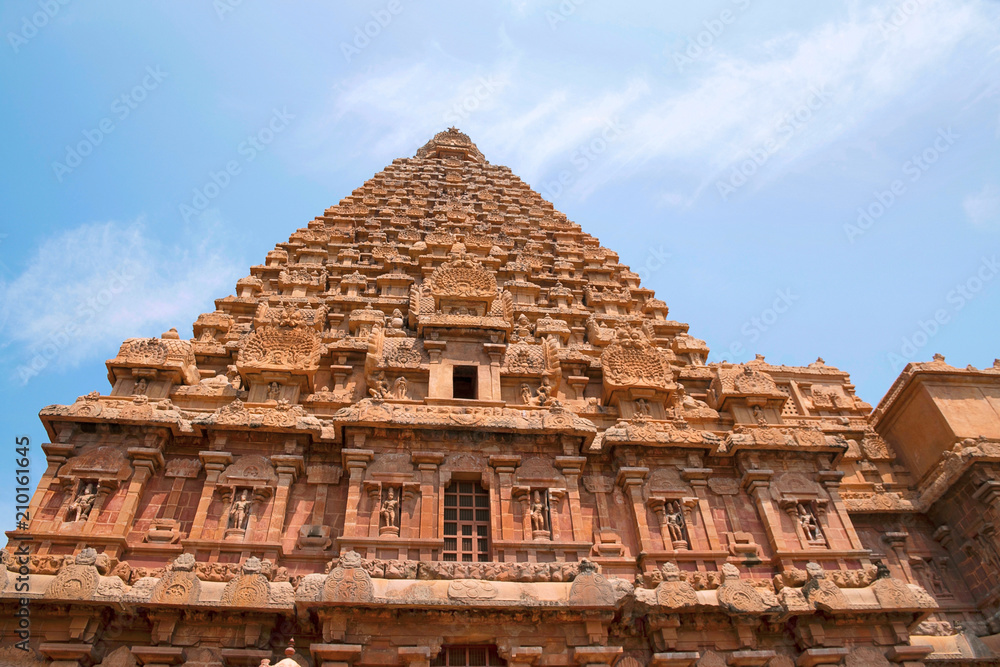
point(442, 425)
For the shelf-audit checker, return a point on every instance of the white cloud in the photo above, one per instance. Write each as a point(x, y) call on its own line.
point(983, 207)
point(740, 96)
point(90, 287)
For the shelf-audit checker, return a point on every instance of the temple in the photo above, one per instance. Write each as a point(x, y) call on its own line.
point(442, 425)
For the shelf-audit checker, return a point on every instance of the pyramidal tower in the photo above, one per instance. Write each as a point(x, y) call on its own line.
point(443, 425)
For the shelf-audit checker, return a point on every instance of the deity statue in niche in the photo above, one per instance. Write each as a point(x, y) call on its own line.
point(140, 387)
point(239, 513)
point(675, 521)
point(809, 523)
point(758, 415)
point(381, 388)
point(642, 407)
point(399, 388)
point(390, 506)
point(81, 506)
point(545, 392)
point(273, 391)
point(538, 519)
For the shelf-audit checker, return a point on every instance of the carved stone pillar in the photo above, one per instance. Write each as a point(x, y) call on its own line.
point(56, 454)
point(288, 467)
point(415, 656)
point(158, 656)
point(830, 479)
point(988, 494)
point(521, 656)
point(505, 466)
point(897, 542)
point(67, 655)
point(409, 519)
point(757, 484)
point(427, 463)
point(355, 462)
point(555, 500)
point(698, 479)
point(571, 468)
point(373, 490)
point(675, 659)
point(495, 352)
point(659, 507)
point(145, 462)
point(335, 655)
point(522, 496)
point(631, 479)
point(180, 474)
point(104, 490)
point(597, 656)
point(322, 476)
point(215, 463)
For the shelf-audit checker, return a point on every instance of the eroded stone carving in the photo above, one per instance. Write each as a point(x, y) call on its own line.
point(348, 581)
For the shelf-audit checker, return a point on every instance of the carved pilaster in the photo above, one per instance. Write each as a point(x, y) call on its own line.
point(571, 468)
point(355, 462)
point(698, 479)
point(830, 479)
point(505, 465)
point(335, 655)
point(145, 462)
point(373, 490)
point(522, 496)
point(215, 463)
point(630, 479)
point(757, 483)
point(409, 500)
point(427, 463)
point(520, 656)
point(56, 454)
point(288, 467)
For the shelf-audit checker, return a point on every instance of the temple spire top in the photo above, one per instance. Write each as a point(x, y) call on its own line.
point(451, 143)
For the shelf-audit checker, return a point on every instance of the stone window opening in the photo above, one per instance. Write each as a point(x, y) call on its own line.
point(466, 522)
point(463, 382)
point(468, 656)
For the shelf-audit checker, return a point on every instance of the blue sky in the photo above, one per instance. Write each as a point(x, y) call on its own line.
point(792, 180)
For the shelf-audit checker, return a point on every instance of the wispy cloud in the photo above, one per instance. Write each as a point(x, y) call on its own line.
point(741, 95)
point(983, 207)
point(91, 286)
